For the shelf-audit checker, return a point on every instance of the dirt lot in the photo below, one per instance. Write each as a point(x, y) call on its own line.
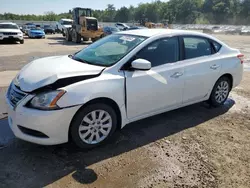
point(196, 146)
point(34, 48)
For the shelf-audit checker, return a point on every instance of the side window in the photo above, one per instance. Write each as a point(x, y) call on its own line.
point(196, 47)
point(217, 46)
point(161, 51)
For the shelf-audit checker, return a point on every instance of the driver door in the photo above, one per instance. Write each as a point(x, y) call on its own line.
point(156, 90)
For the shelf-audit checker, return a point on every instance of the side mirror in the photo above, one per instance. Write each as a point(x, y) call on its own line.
point(141, 64)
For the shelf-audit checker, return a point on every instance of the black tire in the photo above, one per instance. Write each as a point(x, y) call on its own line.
point(94, 39)
point(85, 39)
point(21, 41)
point(78, 118)
point(76, 37)
point(212, 99)
point(68, 36)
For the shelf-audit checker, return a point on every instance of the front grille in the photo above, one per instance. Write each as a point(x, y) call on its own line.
point(15, 95)
point(9, 33)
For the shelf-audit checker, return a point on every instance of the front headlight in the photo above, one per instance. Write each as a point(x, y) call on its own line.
point(16, 80)
point(47, 101)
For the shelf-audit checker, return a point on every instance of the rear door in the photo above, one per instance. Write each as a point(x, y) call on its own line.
point(202, 67)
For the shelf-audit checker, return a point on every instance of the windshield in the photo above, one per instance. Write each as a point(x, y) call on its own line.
point(67, 22)
point(8, 26)
point(109, 50)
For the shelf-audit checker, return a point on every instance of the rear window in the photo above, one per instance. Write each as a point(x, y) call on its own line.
point(217, 46)
point(196, 47)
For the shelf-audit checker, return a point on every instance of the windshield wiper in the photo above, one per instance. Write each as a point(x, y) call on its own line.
point(84, 61)
point(80, 60)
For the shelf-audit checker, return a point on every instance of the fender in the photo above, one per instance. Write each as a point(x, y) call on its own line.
point(105, 86)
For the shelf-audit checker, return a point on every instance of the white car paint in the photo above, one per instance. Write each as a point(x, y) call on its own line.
point(138, 94)
point(14, 33)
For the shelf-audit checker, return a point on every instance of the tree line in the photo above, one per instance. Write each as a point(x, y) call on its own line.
point(174, 11)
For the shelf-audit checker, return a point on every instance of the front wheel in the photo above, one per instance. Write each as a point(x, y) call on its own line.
point(220, 92)
point(94, 39)
point(93, 125)
point(21, 41)
point(68, 36)
point(76, 37)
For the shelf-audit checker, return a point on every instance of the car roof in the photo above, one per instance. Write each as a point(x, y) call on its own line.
point(154, 32)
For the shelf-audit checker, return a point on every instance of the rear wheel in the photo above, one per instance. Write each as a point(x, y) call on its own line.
point(93, 125)
point(220, 92)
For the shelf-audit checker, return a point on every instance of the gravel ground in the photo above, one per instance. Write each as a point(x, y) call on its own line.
point(15, 56)
point(193, 147)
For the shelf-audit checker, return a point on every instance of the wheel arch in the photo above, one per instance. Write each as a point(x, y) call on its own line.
point(102, 100)
point(230, 77)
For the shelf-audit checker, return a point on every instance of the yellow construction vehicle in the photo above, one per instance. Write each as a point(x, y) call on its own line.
point(84, 26)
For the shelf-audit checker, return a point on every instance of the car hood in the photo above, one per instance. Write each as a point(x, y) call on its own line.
point(9, 30)
point(46, 71)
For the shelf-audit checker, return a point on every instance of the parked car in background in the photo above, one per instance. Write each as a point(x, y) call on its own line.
point(245, 30)
point(26, 27)
point(49, 29)
point(110, 30)
point(117, 80)
point(10, 32)
point(36, 33)
point(217, 29)
point(122, 26)
point(64, 24)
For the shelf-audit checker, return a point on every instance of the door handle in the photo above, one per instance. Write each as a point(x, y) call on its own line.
point(177, 75)
point(214, 67)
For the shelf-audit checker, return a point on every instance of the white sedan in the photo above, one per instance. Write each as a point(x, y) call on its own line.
point(117, 80)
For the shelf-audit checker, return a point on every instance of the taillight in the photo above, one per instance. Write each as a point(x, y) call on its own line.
point(241, 57)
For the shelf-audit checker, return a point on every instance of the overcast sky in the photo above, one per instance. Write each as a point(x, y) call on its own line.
point(59, 6)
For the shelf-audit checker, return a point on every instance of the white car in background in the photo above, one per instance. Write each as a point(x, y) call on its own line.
point(64, 24)
point(245, 30)
point(117, 80)
point(11, 32)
